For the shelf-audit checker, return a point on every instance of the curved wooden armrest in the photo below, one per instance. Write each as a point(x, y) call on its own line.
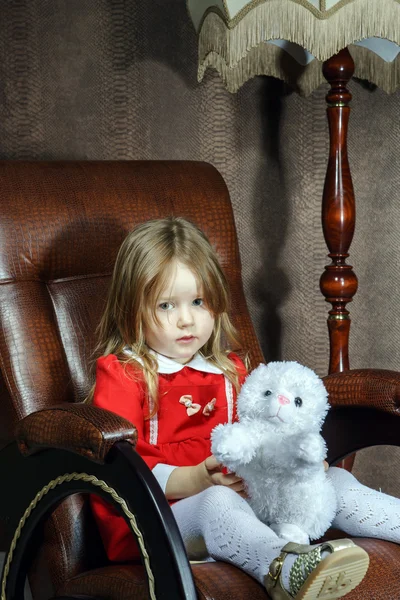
point(80, 428)
point(34, 485)
point(365, 388)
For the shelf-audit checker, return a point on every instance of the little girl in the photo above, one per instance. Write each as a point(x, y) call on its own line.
point(165, 367)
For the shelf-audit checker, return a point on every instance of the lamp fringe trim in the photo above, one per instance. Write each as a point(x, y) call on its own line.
point(289, 20)
point(272, 60)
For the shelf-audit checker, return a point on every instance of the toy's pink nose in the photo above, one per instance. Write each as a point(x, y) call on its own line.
point(283, 400)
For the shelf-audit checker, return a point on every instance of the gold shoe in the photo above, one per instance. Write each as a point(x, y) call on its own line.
point(314, 578)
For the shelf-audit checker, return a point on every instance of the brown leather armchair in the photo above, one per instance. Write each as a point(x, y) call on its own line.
point(61, 225)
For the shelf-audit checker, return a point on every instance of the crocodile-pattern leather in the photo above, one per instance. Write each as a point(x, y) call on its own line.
point(213, 580)
point(86, 430)
point(369, 388)
point(224, 582)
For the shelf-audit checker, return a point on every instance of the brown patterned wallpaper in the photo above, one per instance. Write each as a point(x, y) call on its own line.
point(116, 79)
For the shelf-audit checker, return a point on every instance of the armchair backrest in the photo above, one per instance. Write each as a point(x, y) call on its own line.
point(61, 224)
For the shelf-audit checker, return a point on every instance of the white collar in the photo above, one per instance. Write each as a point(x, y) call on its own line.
point(167, 366)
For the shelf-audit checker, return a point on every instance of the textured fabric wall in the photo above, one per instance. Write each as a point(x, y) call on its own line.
point(116, 79)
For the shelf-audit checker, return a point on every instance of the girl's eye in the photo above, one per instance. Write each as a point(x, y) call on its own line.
point(165, 305)
point(298, 401)
point(267, 393)
point(198, 302)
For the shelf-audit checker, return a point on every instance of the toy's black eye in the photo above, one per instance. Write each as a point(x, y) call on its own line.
point(267, 393)
point(298, 401)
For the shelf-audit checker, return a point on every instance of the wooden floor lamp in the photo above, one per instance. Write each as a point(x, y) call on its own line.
point(329, 38)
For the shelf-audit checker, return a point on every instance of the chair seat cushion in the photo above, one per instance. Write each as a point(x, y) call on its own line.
point(124, 582)
point(221, 581)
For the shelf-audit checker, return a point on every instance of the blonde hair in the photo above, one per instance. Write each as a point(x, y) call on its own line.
point(141, 273)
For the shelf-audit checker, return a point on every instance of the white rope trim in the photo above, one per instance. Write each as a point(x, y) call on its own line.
point(229, 399)
point(153, 424)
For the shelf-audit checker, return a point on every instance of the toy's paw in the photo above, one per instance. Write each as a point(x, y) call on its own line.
point(311, 449)
point(230, 446)
point(290, 532)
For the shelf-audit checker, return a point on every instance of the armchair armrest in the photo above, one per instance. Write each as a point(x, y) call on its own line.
point(365, 388)
point(365, 411)
point(80, 428)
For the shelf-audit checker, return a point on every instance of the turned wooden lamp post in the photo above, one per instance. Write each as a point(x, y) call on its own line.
point(338, 283)
point(329, 38)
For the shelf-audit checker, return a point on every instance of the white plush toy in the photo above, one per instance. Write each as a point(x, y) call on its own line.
point(277, 449)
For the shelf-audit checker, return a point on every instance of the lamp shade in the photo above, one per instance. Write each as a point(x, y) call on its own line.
point(289, 39)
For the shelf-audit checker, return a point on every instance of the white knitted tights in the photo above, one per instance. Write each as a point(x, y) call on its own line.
point(219, 523)
point(362, 511)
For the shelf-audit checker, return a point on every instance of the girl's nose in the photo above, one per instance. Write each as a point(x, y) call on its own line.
point(185, 318)
point(283, 400)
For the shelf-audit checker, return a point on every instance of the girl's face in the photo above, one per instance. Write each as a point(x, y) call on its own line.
point(185, 322)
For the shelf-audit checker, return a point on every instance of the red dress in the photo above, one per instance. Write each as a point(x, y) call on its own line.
point(192, 401)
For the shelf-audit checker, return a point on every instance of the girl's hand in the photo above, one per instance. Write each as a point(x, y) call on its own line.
point(214, 475)
point(188, 481)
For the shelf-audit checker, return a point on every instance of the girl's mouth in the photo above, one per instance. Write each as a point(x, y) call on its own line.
point(186, 339)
